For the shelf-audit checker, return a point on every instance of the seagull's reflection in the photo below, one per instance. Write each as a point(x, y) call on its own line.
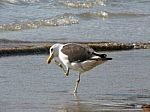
point(77, 106)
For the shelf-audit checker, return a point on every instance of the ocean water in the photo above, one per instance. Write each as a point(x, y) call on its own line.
point(29, 84)
point(75, 20)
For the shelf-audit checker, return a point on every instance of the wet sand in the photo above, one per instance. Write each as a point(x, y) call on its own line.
point(28, 84)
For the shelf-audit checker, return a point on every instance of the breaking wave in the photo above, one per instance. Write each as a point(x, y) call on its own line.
point(61, 20)
point(65, 19)
point(82, 4)
point(105, 14)
point(94, 14)
point(21, 1)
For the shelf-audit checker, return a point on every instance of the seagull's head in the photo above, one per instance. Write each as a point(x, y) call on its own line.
point(53, 52)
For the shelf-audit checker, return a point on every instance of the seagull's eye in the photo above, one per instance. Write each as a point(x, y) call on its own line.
point(52, 49)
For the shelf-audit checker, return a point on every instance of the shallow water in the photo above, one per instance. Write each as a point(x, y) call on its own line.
point(77, 20)
point(28, 84)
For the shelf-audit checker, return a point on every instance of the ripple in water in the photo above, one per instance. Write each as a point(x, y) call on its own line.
point(61, 20)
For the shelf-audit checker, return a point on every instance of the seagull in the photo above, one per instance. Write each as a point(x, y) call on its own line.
point(80, 58)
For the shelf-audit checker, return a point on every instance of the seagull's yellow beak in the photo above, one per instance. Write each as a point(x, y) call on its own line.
point(49, 59)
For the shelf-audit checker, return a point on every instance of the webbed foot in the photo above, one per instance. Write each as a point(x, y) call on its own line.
point(66, 73)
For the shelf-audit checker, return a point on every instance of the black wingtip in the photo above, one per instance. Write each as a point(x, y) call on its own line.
point(103, 55)
point(105, 59)
point(108, 58)
point(100, 55)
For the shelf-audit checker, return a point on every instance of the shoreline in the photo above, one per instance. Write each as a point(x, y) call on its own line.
point(15, 47)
